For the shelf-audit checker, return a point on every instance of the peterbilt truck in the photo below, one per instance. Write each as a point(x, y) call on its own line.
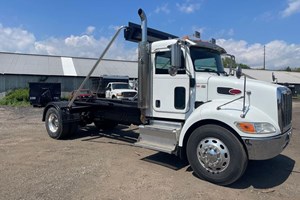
point(188, 106)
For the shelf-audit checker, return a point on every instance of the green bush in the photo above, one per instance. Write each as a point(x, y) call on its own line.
point(17, 97)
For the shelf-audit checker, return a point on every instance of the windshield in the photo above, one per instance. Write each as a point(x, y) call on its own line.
point(206, 60)
point(120, 86)
point(84, 92)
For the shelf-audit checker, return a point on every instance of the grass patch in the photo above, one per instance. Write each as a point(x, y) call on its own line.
point(17, 97)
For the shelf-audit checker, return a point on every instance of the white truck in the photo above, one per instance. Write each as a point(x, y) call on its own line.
point(188, 106)
point(119, 90)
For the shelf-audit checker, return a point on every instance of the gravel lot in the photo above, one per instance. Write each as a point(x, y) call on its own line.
point(99, 165)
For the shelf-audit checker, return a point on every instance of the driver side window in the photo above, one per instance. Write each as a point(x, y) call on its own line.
point(163, 63)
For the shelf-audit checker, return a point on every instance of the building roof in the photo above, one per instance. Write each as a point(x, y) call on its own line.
point(281, 76)
point(30, 64)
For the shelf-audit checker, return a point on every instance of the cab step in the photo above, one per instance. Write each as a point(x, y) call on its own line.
point(159, 135)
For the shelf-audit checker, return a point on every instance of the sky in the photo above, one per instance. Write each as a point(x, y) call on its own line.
point(82, 28)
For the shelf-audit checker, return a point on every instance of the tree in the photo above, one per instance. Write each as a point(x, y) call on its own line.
point(243, 66)
point(297, 69)
point(227, 61)
point(288, 69)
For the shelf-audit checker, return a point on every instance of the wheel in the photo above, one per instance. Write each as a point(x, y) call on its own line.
point(105, 124)
point(114, 97)
point(216, 155)
point(55, 128)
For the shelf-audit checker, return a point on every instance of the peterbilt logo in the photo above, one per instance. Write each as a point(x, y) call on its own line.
point(228, 91)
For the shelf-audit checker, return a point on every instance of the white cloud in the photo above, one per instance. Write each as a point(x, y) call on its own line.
point(293, 7)
point(279, 54)
point(86, 45)
point(90, 30)
point(163, 9)
point(188, 6)
point(15, 39)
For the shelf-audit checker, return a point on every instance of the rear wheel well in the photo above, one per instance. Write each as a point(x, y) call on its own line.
point(205, 122)
point(46, 110)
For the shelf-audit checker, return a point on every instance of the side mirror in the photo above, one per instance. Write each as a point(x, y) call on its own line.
point(176, 55)
point(238, 72)
point(232, 64)
point(273, 77)
point(173, 70)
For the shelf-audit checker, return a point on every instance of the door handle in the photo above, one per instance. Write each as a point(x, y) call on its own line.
point(157, 103)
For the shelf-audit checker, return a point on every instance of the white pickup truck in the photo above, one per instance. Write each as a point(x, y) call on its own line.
point(119, 90)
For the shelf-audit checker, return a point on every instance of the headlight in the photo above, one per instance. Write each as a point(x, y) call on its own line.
point(255, 127)
point(119, 94)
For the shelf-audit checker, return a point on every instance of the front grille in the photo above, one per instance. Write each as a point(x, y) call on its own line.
point(129, 94)
point(284, 103)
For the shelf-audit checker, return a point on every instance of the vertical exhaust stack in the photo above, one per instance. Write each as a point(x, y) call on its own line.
point(143, 69)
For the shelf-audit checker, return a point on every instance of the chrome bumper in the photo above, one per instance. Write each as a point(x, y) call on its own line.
point(267, 147)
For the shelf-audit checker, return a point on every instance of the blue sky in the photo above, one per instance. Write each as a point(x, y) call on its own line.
point(82, 28)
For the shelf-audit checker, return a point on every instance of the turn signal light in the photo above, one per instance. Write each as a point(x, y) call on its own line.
point(246, 127)
point(256, 127)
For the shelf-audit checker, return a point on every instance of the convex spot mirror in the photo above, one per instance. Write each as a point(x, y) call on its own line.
point(176, 55)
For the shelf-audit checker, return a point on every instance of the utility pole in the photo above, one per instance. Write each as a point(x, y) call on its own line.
point(264, 57)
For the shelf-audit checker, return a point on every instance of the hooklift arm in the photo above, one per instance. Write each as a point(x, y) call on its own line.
point(94, 67)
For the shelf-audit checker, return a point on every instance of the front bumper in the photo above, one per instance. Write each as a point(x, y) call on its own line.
point(267, 147)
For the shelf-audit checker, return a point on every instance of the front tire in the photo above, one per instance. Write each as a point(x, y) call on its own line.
point(216, 155)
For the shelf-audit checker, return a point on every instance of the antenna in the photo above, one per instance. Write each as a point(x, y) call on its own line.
point(264, 57)
point(197, 34)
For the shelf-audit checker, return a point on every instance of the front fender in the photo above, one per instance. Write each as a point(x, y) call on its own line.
point(228, 114)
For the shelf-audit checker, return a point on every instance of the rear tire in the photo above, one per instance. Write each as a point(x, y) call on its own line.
point(55, 128)
point(216, 155)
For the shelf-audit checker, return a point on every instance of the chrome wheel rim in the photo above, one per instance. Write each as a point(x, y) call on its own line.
point(213, 155)
point(53, 122)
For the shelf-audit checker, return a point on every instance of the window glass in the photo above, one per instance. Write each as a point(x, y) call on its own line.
point(163, 63)
point(179, 98)
point(206, 60)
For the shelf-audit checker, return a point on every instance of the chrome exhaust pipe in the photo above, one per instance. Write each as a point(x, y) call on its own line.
point(143, 70)
point(143, 25)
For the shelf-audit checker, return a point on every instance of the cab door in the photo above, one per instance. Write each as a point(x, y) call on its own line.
point(108, 91)
point(170, 93)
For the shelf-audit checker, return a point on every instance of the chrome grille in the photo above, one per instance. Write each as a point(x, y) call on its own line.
point(284, 103)
point(129, 94)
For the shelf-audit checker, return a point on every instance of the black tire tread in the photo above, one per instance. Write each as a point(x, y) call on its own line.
point(238, 162)
point(64, 130)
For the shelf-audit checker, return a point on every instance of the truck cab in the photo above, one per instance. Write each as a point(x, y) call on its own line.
point(202, 92)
